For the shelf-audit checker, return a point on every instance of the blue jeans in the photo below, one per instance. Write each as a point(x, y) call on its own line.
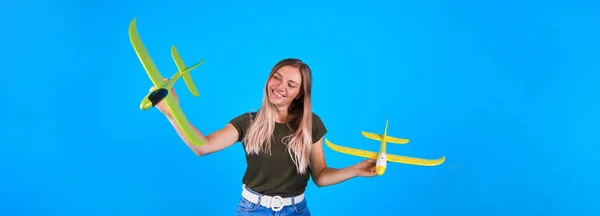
point(247, 208)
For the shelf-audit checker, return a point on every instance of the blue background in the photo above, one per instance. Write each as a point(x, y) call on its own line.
point(507, 91)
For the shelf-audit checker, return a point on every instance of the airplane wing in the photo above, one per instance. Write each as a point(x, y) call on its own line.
point(182, 121)
point(414, 161)
point(352, 151)
point(389, 139)
point(143, 55)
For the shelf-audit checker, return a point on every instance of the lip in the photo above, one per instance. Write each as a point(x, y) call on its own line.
point(277, 94)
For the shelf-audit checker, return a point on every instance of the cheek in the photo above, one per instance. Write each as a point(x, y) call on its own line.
point(272, 83)
point(295, 92)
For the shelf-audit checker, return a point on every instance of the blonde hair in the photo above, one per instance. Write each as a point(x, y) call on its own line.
point(260, 133)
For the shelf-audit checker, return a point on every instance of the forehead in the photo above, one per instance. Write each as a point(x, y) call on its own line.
point(290, 73)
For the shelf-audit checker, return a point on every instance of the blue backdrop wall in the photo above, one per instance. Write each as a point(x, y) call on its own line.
point(507, 91)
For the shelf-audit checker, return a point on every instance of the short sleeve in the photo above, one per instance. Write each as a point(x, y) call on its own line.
point(319, 130)
point(241, 124)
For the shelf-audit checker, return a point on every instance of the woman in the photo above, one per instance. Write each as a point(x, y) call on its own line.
point(283, 145)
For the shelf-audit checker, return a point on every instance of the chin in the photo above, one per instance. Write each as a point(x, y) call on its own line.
point(277, 102)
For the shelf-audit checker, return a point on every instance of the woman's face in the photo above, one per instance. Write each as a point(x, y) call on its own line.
point(284, 86)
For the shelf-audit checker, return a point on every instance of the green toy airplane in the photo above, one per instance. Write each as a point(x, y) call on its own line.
point(162, 88)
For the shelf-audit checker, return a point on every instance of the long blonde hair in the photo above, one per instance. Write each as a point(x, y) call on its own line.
point(260, 133)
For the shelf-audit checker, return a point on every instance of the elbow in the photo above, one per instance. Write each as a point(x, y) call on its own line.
point(319, 182)
point(319, 179)
point(198, 150)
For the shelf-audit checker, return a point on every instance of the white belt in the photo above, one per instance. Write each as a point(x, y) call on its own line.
point(276, 203)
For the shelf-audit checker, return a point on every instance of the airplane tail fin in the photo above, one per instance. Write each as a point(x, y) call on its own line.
point(388, 139)
point(385, 131)
point(185, 72)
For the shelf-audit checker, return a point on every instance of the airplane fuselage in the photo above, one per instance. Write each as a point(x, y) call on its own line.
point(153, 98)
point(381, 163)
point(156, 96)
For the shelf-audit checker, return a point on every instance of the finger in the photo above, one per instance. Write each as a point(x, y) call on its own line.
point(373, 171)
point(368, 173)
point(175, 95)
point(371, 165)
point(366, 162)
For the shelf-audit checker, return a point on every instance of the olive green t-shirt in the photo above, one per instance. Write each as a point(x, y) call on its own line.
point(275, 174)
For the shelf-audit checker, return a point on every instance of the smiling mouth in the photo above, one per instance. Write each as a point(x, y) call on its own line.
point(278, 95)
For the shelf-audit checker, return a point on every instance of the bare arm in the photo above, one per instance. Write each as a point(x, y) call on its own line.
point(214, 142)
point(326, 176)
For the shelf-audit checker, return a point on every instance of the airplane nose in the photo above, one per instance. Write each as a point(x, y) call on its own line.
point(145, 105)
point(380, 170)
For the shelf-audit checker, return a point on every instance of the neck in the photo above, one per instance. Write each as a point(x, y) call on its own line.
point(281, 114)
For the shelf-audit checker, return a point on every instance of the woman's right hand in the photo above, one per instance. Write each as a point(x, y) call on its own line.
point(162, 106)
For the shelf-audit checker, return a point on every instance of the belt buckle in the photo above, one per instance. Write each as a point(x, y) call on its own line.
point(278, 204)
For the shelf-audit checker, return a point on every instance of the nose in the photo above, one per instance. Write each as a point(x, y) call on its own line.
point(279, 88)
point(380, 170)
point(146, 104)
point(279, 85)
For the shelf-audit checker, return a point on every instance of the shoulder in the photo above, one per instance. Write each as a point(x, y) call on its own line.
point(244, 117)
point(242, 123)
point(318, 128)
point(317, 121)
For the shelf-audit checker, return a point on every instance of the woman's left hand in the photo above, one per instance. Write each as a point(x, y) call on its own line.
point(365, 168)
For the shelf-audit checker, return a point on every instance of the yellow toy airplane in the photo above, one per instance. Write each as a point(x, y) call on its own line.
point(382, 157)
point(162, 88)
